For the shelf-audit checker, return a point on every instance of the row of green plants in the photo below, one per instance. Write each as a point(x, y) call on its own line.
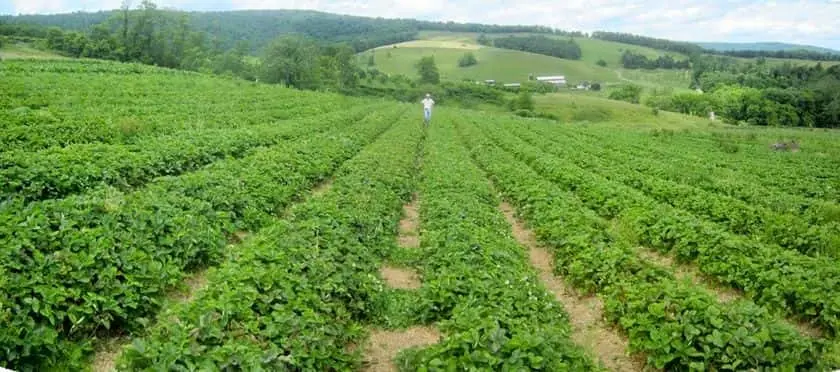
point(787, 230)
point(39, 110)
point(298, 293)
point(753, 151)
point(698, 173)
point(782, 280)
point(98, 264)
point(802, 173)
point(61, 171)
point(477, 282)
point(676, 325)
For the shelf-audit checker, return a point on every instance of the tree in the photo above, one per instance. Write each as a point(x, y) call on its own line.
point(292, 61)
point(468, 59)
point(524, 101)
point(484, 40)
point(601, 63)
point(539, 44)
point(428, 71)
point(371, 60)
point(630, 93)
point(595, 87)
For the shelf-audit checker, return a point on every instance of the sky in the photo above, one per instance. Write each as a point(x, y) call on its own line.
point(814, 22)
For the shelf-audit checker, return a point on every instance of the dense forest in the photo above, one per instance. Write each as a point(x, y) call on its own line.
point(259, 27)
point(540, 44)
point(690, 48)
point(637, 61)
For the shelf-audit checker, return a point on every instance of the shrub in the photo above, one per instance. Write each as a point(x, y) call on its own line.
point(629, 93)
point(468, 59)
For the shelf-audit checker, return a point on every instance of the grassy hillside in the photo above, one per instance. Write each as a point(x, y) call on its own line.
point(514, 66)
point(499, 64)
point(24, 51)
point(571, 107)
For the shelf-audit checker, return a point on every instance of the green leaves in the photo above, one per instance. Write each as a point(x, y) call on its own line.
point(677, 325)
point(301, 288)
point(477, 282)
point(108, 257)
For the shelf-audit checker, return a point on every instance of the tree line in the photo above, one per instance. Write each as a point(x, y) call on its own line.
point(691, 49)
point(260, 27)
point(811, 55)
point(759, 94)
point(539, 44)
point(640, 61)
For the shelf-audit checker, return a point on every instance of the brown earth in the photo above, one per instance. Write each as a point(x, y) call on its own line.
point(384, 345)
point(585, 313)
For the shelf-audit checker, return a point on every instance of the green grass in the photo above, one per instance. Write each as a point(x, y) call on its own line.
point(574, 107)
point(498, 64)
point(514, 66)
point(24, 51)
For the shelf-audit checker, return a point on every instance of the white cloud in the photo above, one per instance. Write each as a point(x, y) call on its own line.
point(808, 21)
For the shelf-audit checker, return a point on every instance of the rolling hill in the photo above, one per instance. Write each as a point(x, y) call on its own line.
point(763, 46)
point(506, 66)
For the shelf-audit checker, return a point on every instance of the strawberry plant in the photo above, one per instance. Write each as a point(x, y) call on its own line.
point(99, 262)
point(299, 292)
point(678, 326)
point(477, 280)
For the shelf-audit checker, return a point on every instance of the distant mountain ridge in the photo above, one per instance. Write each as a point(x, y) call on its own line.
point(768, 46)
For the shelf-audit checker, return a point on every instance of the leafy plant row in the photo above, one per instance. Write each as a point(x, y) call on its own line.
point(677, 325)
point(805, 178)
point(477, 280)
point(98, 263)
point(86, 66)
point(750, 144)
point(784, 281)
point(710, 178)
point(58, 172)
point(787, 230)
point(39, 110)
point(297, 295)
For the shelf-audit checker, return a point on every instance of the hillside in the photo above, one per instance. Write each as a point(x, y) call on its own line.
point(155, 218)
point(506, 66)
point(765, 46)
point(25, 51)
point(258, 27)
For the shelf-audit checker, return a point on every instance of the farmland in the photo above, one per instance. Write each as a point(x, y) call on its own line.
point(154, 219)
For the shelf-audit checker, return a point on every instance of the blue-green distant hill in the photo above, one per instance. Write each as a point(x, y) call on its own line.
point(764, 46)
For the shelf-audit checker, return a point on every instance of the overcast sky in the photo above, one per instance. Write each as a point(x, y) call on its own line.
point(815, 22)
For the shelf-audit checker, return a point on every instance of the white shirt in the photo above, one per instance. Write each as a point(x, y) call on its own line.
point(428, 102)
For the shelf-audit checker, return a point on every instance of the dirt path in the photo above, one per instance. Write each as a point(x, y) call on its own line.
point(396, 277)
point(410, 225)
point(384, 345)
point(723, 293)
point(586, 314)
point(322, 187)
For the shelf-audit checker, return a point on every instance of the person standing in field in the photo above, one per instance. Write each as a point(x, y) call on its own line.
point(428, 102)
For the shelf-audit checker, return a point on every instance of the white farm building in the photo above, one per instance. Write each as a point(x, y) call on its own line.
point(558, 80)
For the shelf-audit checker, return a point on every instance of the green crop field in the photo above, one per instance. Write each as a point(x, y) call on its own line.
point(155, 219)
